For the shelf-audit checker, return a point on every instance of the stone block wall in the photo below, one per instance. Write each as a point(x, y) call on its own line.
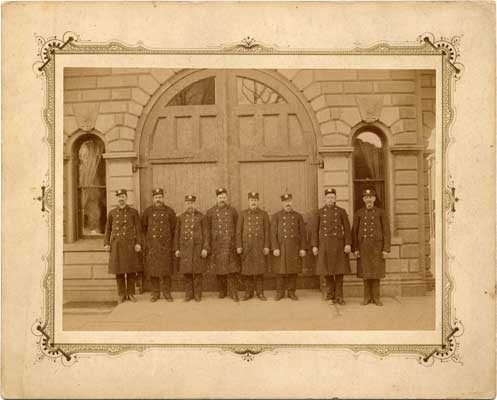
point(400, 103)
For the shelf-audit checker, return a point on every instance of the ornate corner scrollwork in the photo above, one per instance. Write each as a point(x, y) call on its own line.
point(449, 350)
point(448, 48)
point(47, 349)
point(47, 47)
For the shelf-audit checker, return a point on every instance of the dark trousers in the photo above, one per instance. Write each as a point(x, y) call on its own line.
point(335, 286)
point(371, 289)
point(193, 285)
point(286, 281)
point(227, 284)
point(155, 284)
point(254, 283)
point(126, 284)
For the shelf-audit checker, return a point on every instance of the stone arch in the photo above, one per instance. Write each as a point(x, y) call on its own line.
point(181, 80)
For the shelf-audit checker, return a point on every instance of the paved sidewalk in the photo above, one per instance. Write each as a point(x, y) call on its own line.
point(309, 313)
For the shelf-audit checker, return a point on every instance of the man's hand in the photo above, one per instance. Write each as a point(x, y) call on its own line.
point(176, 253)
point(239, 250)
point(265, 251)
point(384, 254)
point(315, 251)
point(302, 253)
point(346, 249)
point(203, 253)
point(138, 247)
point(107, 247)
point(357, 254)
point(276, 253)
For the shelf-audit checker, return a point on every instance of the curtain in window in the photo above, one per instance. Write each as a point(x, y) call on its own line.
point(372, 157)
point(90, 156)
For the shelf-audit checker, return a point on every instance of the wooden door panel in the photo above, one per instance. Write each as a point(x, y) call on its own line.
point(209, 131)
point(295, 136)
point(271, 179)
point(272, 131)
point(178, 180)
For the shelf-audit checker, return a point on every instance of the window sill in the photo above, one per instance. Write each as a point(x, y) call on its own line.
point(96, 244)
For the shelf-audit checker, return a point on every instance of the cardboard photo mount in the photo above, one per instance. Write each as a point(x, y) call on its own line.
point(448, 355)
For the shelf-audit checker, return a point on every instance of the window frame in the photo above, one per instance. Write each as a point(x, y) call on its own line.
point(381, 134)
point(74, 223)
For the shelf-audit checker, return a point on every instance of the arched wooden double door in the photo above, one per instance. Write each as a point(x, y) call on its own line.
point(245, 130)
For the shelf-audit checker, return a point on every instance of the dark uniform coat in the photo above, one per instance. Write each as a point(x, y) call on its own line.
point(371, 236)
point(122, 233)
point(190, 238)
point(158, 223)
point(330, 233)
point(289, 236)
point(221, 225)
point(252, 235)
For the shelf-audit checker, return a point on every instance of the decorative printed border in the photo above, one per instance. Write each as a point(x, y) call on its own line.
point(70, 43)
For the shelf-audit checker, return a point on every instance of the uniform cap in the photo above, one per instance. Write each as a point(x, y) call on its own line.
point(368, 192)
point(121, 191)
point(190, 197)
point(157, 191)
point(253, 195)
point(330, 191)
point(286, 196)
point(220, 191)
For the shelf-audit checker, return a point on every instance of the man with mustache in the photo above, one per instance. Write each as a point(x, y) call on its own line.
point(123, 238)
point(288, 241)
point(158, 224)
point(252, 243)
point(221, 223)
point(371, 244)
point(191, 247)
point(331, 240)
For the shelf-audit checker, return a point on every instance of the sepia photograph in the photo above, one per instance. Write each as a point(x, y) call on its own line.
point(249, 199)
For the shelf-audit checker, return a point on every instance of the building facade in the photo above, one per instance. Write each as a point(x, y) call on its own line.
point(271, 131)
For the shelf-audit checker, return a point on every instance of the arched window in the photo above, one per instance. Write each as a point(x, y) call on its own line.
point(369, 166)
point(199, 93)
point(91, 202)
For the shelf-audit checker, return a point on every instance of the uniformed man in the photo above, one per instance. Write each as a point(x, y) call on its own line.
point(371, 244)
point(221, 223)
point(123, 239)
point(331, 240)
point(253, 244)
point(158, 224)
point(191, 247)
point(288, 241)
